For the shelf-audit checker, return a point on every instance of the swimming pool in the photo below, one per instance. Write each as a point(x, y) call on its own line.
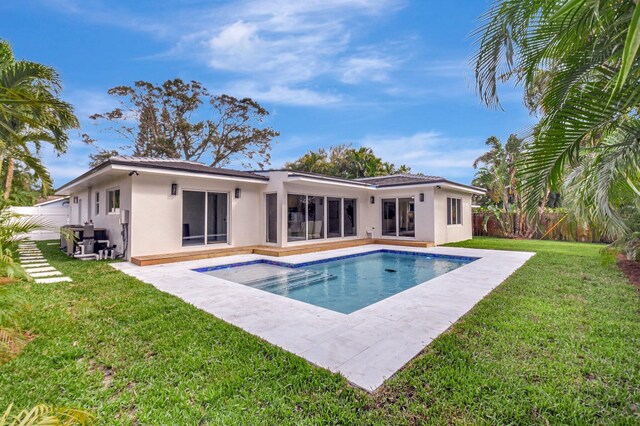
point(344, 284)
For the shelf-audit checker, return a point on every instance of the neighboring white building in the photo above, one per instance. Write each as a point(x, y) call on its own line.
point(176, 206)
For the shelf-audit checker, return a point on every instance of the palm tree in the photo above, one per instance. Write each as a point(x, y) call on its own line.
point(586, 53)
point(30, 113)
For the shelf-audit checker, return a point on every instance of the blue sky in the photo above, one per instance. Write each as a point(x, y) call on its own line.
point(390, 74)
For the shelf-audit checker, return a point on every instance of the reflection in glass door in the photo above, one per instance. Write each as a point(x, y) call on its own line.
point(389, 217)
point(406, 217)
point(333, 217)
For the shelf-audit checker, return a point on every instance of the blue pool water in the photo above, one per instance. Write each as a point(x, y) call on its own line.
point(344, 284)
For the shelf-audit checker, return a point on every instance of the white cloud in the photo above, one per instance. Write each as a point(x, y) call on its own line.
point(283, 95)
point(430, 152)
point(357, 70)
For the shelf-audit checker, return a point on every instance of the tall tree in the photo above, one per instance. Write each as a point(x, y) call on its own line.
point(31, 113)
point(580, 59)
point(183, 120)
point(346, 162)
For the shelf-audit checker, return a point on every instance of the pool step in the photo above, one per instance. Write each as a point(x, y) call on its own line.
point(291, 281)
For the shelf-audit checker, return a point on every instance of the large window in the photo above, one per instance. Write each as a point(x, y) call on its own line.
point(113, 201)
point(296, 217)
point(454, 211)
point(314, 217)
point(204, 210)
point(97, 203)
point(398, 217)
point(272, 218)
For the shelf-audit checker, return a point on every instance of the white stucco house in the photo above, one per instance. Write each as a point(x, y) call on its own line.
point(175, 206)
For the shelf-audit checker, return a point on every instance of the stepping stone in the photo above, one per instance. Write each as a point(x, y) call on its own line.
point(36, 265)
point(45, 274)
point(53, 244)
point(32, 260)
point(40, 269)
point(53, 280)
point(40, 258)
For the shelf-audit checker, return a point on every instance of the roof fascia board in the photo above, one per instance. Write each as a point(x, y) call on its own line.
point(327, 182)
point(187, 174)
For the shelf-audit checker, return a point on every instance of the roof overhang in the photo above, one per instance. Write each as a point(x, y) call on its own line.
point(107, 171)
point(322, 181)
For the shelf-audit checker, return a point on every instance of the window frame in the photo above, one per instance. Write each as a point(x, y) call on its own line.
point(454, 205)
point(325, 221)
point(206, 219)
point(114, 210)
point(97, 203)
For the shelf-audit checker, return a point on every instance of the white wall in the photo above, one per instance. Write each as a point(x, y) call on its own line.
point(85, 208)
point(451, 233)
point(156, 215)
point(52, 217)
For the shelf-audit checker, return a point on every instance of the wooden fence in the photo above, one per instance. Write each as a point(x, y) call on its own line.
point(566, 230)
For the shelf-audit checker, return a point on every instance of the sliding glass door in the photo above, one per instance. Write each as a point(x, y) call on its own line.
point(312, 217)
point(389, 217)
point(204, 210)
point(398, 217)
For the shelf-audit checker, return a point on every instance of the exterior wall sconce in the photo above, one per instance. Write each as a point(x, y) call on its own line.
point(373, 199)
point(174, 189)
point(438, 187)
point(237, 193)
point(75, 199)
point(421, 197)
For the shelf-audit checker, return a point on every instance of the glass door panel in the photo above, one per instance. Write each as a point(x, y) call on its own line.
point(334, 209)
point(406, 217)
point(389, 217)
point(316, 218)
point(193, 206)
point(296, 217)
point(216, 217)
point(272, 218)
point(349, 215)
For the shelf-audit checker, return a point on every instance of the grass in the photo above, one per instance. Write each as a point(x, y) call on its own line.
point(558, 342)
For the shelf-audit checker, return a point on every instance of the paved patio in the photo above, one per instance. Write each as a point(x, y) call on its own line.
point(367, 346)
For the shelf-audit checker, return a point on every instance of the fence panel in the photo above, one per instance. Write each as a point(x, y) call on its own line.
point(54, 217)
point(562, 228)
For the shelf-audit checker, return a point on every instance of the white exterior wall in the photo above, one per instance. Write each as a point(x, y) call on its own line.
point(451, 233)
point(85, 209)
point(156, 215)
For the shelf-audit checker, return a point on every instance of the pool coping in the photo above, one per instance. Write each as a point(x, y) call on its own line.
point(367, 346)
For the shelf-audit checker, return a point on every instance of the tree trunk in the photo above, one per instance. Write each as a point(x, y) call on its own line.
point(9, 181)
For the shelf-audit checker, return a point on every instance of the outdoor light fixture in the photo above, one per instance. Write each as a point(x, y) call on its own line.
point(373, 199)
point(174, 189)
point(438, 187)
point(237, 193)
point(135, 172)
point(75, 199)
point(421, 197)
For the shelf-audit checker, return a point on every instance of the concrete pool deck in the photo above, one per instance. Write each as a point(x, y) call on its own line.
point(367, 346)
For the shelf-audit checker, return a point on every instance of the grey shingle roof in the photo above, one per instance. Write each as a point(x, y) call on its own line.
point(181, 165)
point(398, 180)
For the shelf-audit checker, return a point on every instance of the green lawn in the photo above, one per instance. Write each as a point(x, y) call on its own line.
point(558, 342)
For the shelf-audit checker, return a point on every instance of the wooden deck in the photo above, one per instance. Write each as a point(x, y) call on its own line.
point(158, 259)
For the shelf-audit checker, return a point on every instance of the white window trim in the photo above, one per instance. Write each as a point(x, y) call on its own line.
point(108, 209)
point(450, 211)
point(325, 220)
point(206, 206)
point(97, 206)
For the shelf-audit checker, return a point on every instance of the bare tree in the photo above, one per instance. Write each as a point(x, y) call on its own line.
point(183, 120)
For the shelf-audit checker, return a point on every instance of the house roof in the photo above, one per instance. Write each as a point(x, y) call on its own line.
point(49, 200)
point(180, 165)
point(176, 165)
point(400, 179)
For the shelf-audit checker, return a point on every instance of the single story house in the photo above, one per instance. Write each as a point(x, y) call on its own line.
point(152, 206)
